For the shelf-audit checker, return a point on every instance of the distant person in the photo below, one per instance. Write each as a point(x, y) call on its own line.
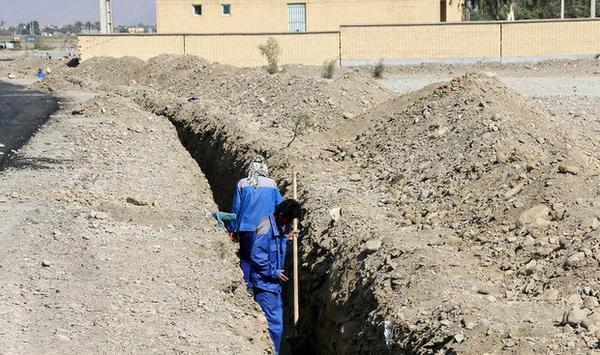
point(254, 197)
point(40, 74)
point(268, 263)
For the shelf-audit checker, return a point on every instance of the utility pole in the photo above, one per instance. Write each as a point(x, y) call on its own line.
point(562, 9)
point(106, 17)
point(592, 8)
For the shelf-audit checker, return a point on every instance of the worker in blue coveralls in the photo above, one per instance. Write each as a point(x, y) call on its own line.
point(40, 74)
point(254, 197)
point(268, 259)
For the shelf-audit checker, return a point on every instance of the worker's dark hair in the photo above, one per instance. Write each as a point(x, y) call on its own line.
point(289, 209)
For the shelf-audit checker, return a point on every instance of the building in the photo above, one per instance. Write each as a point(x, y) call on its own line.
point(260, 16)
point(136, 30)
point(106, 16)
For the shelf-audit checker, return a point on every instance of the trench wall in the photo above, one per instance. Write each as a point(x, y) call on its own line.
point(335, 291)
point(351, 45)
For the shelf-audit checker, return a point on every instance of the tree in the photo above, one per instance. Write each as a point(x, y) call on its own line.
point(486, 9)
point(537, 9)
point(8, 31)
point(527, 9)
point(510, 7)
point(77, 27)
point(577, 8)
point(25, 28)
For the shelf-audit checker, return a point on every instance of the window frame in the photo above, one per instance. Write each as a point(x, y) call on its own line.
point(195, 7)
point(223, 8)
point(305, 15)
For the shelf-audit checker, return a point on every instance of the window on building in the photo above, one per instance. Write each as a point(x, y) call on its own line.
point(225, 9)
point(297, 17)
point(197, 10)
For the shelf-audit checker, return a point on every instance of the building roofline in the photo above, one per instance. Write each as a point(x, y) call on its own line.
point(210, 34)
point(517, 22)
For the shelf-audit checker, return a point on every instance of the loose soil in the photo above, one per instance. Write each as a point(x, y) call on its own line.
point(470, 216)
point(105, 248)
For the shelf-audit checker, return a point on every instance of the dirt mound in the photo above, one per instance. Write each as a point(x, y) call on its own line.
point(473, 157)
point(275, 100)
point(467, 219)
point(451, 280)
point(106, 104)
point(181, 75)
point(470, 153)
point(246, 94)
point(92, 74)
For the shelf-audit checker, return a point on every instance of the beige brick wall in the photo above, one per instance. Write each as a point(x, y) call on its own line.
point(557, 38)
point(140, 46)
point(256, 16)
point(368, 44)
point(242, 50)
point(409, 42)
point(238, 50)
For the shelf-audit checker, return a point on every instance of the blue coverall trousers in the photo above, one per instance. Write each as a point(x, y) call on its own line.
point(246, 240)
point(272, 306)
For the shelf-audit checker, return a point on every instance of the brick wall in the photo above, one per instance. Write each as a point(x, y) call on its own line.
point(368, 44)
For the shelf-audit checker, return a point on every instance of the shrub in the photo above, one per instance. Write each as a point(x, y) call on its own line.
point(378, 70)
point(329, 69)
point(302, 124)
point(271, 52)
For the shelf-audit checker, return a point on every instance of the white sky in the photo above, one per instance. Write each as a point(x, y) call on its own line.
point(68, 11)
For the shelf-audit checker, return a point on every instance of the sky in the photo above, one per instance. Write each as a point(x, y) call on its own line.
point(126, 12)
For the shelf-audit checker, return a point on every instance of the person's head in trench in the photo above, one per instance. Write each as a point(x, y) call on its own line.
point(286, 212)
point(258, 167)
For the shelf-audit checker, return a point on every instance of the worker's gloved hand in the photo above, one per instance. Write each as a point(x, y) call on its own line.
point(234, 237)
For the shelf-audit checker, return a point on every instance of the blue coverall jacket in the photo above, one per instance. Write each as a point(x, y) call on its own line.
point(251, 203)
point(268, 256)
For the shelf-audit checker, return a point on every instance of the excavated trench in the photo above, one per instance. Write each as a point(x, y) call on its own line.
point(409, 292)
point(223, 168)
point(225, 162)
point(338, 295)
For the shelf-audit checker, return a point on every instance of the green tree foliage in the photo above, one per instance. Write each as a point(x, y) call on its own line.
point(25, 28)
point(485, 10)
point(78, 26)
point(537, 9)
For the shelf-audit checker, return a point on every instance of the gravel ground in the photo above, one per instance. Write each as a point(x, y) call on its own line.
point(105, 248)
point(568, 91)
point(530, 86)
point(375, 278)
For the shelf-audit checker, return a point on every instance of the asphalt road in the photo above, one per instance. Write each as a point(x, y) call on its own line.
point(22, 112)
